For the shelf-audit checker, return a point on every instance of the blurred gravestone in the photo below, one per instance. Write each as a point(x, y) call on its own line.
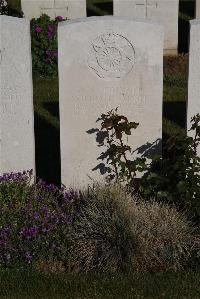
point(194, 72)
point(16, 98)
point(104, 63)
point(164, 11)
point(197, 9)
point(70, 9)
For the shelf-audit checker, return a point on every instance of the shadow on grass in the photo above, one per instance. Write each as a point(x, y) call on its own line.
point(47, 150)
point(176, 112)
point(52, 108)
point(99, 9)
point(186, 13)
point(108, 7)
point(187, 7)
point(174, 119)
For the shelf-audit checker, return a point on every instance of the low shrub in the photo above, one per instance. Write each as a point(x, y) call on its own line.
point(173, 177)
point(44, 46)
point(35, 220)
point(117, 232)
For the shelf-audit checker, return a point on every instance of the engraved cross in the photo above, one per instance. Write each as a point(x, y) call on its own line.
point(55, 9)
point(147, 4)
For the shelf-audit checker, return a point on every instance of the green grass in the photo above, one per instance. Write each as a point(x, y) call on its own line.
point(21, 285)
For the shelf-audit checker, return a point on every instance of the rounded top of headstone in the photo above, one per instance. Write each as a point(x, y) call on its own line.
point(111, 19)
point(195, 22)
point(4, 18)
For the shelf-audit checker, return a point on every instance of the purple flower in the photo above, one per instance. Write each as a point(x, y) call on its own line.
point(38, 29)
point(2, 242)
point(50, 28)
point(59, 18)
point(50, 34)
point(29, 233)
point(39, 198)
point(36, 215)
point(45, 229)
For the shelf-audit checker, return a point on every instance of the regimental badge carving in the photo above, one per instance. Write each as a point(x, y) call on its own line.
point(111, 56)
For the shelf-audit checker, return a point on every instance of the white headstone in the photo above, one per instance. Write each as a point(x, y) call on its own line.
point(164, 11)
point(104, 63)
point(16, 96)
point(197, 9)
point(194, 73)
point(70, 9)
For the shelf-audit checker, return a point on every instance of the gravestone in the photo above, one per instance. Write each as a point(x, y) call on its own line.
point(104, 63)
point(16, 97)
point(70, 9)
point(194, 73)
point(197, 9)
point(164, 11)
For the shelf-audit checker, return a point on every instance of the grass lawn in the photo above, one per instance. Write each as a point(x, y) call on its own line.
point(21, 285)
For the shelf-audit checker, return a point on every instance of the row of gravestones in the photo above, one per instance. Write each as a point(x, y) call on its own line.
point(104, 62)
point(164, 11)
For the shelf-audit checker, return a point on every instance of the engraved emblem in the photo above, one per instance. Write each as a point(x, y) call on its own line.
point(111, 56)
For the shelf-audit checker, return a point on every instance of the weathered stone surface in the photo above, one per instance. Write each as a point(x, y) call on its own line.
point(104, 63)
point(164, 11)
point(16, 97)
point(194, 73)
point(197, 9)
point(70, 9)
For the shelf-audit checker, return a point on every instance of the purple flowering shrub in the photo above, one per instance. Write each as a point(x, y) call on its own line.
point(44, 45)
point(35, 220)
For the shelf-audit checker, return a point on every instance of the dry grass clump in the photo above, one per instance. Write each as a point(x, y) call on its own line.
point(116, 232)
point(50, 266)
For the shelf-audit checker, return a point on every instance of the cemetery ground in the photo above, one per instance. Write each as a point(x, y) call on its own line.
point(21, 285)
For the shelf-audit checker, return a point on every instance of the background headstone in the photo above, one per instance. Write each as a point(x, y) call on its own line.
point(194, 73)
point(164, 11)
point(16, 98)
point(70, 9)
point(104, 63)
point(197, 9)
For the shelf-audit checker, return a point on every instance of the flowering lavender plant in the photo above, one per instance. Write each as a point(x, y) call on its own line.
point(44, 45)
point(35, 220)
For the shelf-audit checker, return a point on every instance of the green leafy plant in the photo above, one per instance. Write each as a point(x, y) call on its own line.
point(173, 178)
point(176, 177)
point(119, 167)
point(44, 46)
